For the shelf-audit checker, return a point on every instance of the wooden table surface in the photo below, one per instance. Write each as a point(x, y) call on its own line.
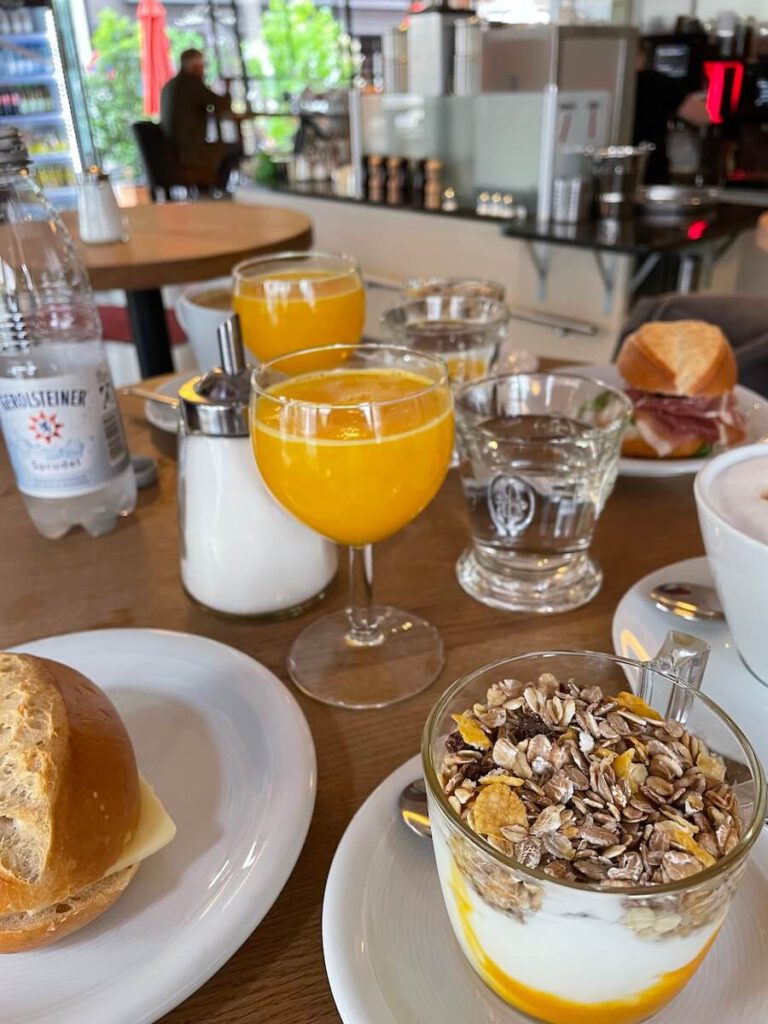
point(173, 243)
point(131, 578)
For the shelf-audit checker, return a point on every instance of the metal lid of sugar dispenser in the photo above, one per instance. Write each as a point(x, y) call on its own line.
point(217, 402)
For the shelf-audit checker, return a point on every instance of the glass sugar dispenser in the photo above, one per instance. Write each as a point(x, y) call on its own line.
point(241, 553)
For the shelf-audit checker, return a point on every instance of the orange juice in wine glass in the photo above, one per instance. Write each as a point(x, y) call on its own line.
point(354, 474)
point(295, 301)
point(355, 447)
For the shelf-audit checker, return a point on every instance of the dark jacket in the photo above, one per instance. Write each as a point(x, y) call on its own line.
point(185, 103)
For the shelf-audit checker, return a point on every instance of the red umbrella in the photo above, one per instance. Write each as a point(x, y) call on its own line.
point(156, 67)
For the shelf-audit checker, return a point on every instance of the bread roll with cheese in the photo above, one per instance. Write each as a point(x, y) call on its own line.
point(72, 804)
point(680, 377)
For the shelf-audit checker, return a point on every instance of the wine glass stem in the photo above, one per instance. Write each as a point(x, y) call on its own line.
point(364, 630)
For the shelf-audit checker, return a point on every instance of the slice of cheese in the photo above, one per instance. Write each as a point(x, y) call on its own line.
point(155, 829)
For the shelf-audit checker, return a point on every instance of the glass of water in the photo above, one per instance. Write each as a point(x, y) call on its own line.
point(464, 331)
point(539, 457)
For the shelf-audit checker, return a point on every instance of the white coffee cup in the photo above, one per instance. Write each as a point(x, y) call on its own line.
point(200, 321)
point(739, 563)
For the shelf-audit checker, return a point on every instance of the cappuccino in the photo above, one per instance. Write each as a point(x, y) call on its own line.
point(732, 504)
point(218, 298)
point(739, 493)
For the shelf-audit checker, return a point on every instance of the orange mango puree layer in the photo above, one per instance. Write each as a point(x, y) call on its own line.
point(636, 1007)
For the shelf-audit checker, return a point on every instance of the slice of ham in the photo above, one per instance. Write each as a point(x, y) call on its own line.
point(667, 421)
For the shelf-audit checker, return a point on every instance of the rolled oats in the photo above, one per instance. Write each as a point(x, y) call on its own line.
point(588, 787)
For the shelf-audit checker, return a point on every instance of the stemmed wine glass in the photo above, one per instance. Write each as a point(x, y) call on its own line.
point(355, 441)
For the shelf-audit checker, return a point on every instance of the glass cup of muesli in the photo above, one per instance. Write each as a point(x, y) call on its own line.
point(591, 817)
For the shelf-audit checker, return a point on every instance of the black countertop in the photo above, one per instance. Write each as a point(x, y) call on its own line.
point(640, 235)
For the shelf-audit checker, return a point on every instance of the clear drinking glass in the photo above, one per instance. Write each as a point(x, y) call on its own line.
point(464, 331)
point(298, 300)
point(567, 952)
point(355, 441)
point(468, 287)
point(539, 458)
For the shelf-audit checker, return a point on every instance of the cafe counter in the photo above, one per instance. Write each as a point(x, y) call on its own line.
point(569, 285)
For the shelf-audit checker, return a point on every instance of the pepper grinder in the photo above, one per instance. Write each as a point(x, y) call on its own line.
point(433, 188)
point(376, 176)
point(241, 553)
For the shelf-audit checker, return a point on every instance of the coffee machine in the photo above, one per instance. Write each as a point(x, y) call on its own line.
point(723, 62)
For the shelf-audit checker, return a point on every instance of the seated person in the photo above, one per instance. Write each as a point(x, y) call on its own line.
point(185, 104)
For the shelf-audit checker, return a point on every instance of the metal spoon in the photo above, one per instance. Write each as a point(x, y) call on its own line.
point(688, 600)
point(413, 808)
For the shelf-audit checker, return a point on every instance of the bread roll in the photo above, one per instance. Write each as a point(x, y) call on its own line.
point(69, 799)
point(22, 932)
point(678, 357)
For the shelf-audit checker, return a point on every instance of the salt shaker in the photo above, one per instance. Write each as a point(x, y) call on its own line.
point(99, 219)
point(241, 553)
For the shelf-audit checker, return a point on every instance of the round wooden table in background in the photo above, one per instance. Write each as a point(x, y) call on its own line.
point(175, 243)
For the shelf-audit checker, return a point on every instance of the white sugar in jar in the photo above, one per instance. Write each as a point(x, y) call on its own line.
point(241, 553)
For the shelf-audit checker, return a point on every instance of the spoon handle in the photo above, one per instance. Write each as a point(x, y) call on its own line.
point(135, 391)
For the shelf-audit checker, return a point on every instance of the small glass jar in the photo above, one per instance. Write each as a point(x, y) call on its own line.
point(567, 952)
point(241, 553)
point(99, 218)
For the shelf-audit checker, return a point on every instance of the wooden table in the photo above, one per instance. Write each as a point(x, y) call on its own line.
point(131, 578)
point(174, 243)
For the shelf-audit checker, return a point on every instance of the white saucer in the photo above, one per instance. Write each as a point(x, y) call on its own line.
point(753, 406)
point(165, 417)
point(230, 754)
point(639, 628)
point(391, 956)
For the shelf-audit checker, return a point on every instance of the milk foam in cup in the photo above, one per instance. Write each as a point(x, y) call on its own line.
point(732, 501)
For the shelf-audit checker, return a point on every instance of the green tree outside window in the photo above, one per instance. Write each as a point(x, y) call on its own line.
point(113, 86)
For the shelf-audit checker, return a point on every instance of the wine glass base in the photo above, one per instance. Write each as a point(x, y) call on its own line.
point(324, 665)
point(523, 586)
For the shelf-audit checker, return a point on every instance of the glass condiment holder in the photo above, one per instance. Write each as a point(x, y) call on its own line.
point(241, 553)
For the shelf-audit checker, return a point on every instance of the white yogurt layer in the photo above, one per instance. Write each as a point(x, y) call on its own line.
point(574, 947)
point(740, 495)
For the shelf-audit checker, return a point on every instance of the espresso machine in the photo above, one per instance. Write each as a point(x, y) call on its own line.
point(724, 62)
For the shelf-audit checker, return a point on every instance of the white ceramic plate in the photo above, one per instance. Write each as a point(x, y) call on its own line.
point(230, 754)
point(165, 417)
point(392, 958)
point(639, 628)
point(754, 407)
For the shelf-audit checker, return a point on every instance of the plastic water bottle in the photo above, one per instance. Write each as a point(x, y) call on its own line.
point(58, 411)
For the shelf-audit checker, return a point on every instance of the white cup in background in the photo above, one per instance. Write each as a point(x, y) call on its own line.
point(731, 521)
point(200, 320)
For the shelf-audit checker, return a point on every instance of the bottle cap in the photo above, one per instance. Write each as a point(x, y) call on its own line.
point(216, 403)
point(145, 470)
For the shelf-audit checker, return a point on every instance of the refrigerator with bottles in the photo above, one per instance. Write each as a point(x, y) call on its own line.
point(41, 92)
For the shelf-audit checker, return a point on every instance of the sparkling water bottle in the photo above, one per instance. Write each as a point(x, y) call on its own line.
point(58, 410)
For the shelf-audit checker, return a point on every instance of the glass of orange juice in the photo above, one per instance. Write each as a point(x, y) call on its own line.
point(355, 441)
point(298, 300)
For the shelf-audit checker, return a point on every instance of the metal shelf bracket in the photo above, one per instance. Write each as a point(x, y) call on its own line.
point(541, 257)
point(607, 266)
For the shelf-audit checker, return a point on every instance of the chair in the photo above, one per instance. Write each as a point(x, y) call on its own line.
point(742, 318)
point(164, 170)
